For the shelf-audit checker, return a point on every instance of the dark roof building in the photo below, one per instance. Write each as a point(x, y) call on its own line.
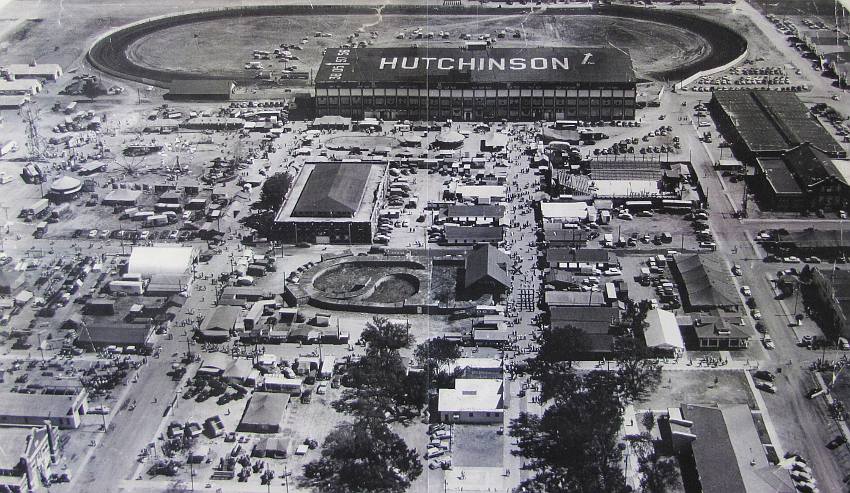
point(494, 67)
point(333, 190)
point(832, 287)
point(588, 256)
point(717, 330)
point(400, 83)
point(472, 235)
point(217, 325)
point(767, 123)
point(200, 89)
point(706, 282)
point(100, 335)
point(811, 180)
point(724, 443)
point(488, 264)
point(264, 413)
point(462, 211)
point(332, 203)
point(597, 322)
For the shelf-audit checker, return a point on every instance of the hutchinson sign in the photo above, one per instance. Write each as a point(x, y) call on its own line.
point(456, 65)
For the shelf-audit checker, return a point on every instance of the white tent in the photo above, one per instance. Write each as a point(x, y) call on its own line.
point(663, 330)
point(173, 261)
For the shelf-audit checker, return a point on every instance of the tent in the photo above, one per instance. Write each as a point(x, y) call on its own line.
point(663, 331)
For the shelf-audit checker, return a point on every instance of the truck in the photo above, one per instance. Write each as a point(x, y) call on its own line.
point(35, 210)
point(40, 229)
point(156, 220)
point(60, 212)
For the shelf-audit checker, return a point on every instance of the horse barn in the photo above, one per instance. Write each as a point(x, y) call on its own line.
point(519, 84)
point(332, 202)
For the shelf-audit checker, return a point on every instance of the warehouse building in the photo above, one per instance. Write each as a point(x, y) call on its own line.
point(264, 413)
point(332, 203)
point(762, 124)
point(832, 298)
point(519, 84)
point(804, 178)
point(61, 410)
point(705, 282)
point(200, 90)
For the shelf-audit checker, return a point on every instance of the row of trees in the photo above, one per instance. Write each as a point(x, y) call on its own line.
point(574, 446)
point(366, 455)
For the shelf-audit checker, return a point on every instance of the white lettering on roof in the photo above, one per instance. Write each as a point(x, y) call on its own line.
point(391, 63)
point(480, 64)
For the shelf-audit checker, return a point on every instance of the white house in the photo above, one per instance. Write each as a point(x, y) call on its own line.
point(473, 401)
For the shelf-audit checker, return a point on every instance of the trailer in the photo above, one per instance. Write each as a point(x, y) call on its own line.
point(36, 209)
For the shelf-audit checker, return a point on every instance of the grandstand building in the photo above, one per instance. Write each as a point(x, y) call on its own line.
point(519, 84)
point(332, 202)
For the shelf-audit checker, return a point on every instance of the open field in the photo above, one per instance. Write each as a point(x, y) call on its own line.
point(218, 44)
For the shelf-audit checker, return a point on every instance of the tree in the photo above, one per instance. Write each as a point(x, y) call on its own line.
point(563, 344)
point(437, 352)
point(658, 474)
point(638, 374)
point(382, 334)
point(274, 190)
point(261, 222)
point(379, 383)
point(92, 88)
point(574, 446)
point(648, 421)
point(365, 456)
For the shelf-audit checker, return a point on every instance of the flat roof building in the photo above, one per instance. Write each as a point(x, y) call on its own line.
point(537, 83)
point(62, 410)
point(472, 400)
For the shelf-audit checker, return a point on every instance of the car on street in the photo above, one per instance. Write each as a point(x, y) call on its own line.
point(736, 269)
point(644, 214)
point(767, 341)
point(761, 328)
point(791, 260)
point(93, 233)
point(708, 244)
point(807, 340)
point(746, 291)
point(756, 314)
point(626, 216)
point(812, 260)
point(836, 442)
point(766, 387)
point(613, 271)
point(764, 375)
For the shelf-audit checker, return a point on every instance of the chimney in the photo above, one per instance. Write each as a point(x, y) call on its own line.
point(51, 441)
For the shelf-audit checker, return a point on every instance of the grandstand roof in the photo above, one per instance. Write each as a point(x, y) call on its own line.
point(414, 65)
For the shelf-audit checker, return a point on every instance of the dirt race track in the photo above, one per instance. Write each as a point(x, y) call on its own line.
point(215, 44)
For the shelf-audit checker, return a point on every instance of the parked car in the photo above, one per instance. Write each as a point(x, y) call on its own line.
point(764, 375)
point(767, 341)
point(746, 291)
point(766, 387)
